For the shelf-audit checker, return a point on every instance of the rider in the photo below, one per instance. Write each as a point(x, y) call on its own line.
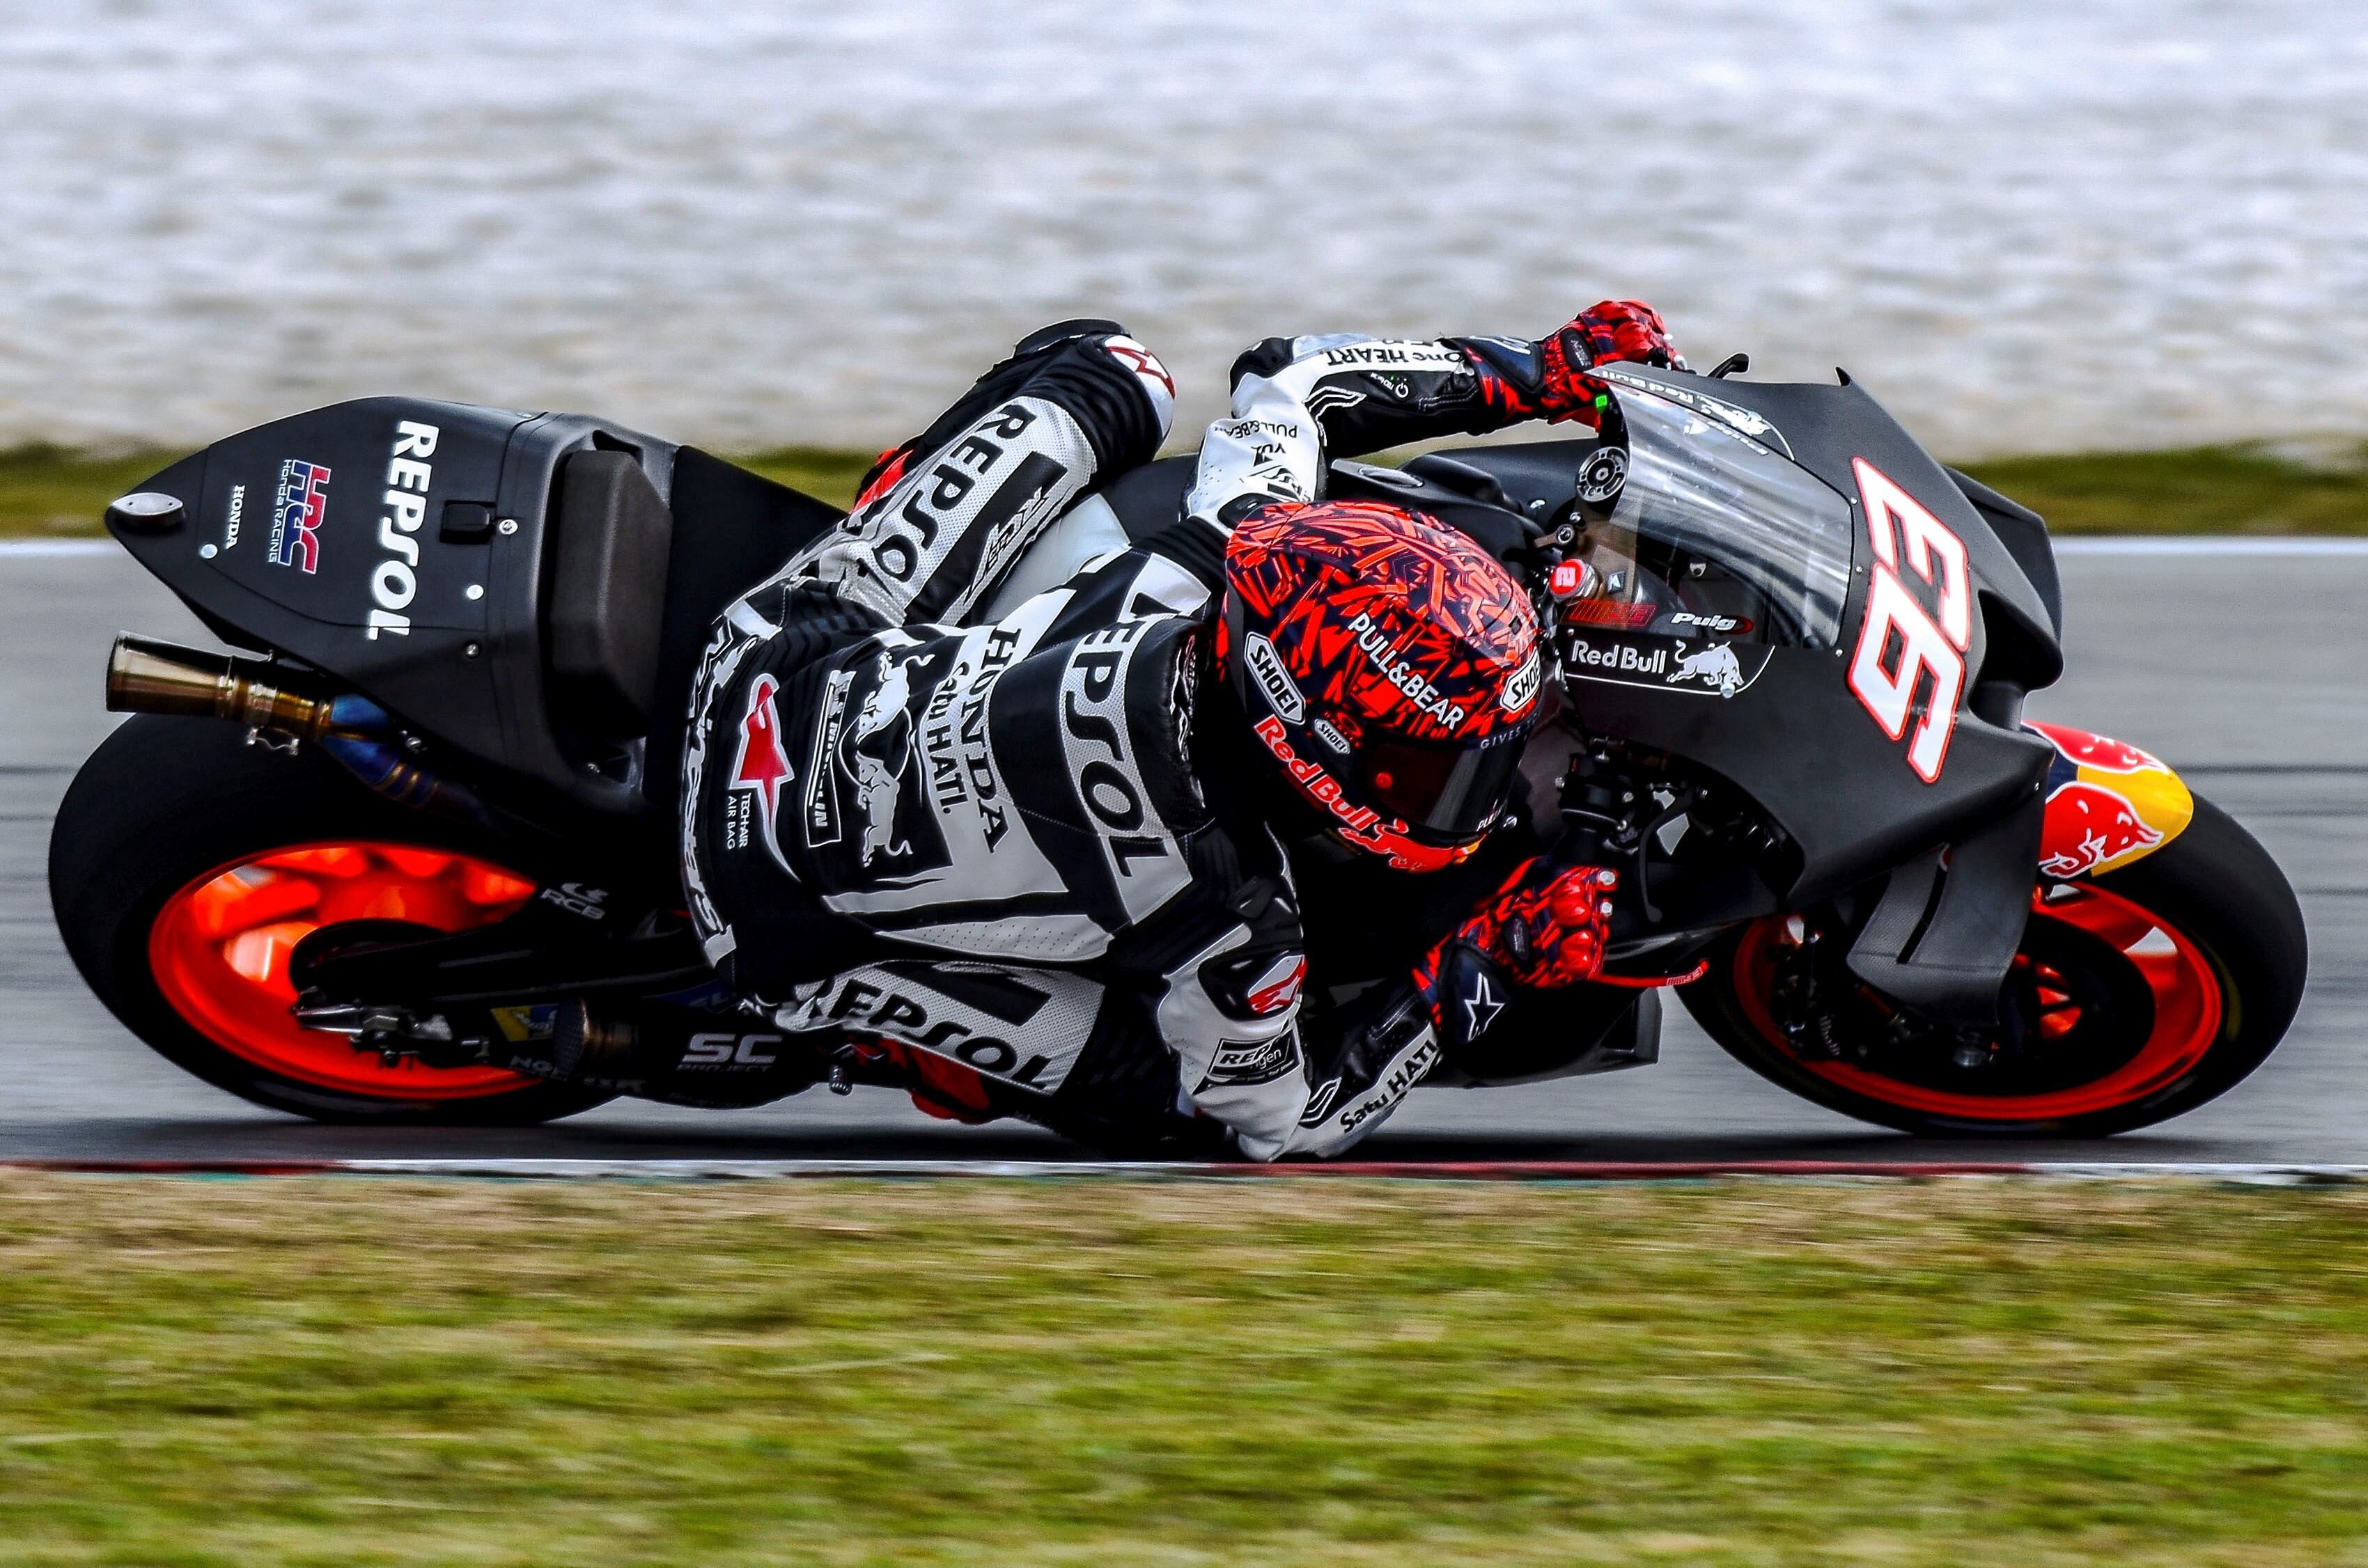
point(1035, 864)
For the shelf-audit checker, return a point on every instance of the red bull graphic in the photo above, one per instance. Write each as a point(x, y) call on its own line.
point(2108, 805)
point(296, 515)
point(2089, 827)
point(2096, 751)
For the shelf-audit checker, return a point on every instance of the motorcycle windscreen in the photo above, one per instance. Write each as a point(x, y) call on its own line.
point(1707, 534)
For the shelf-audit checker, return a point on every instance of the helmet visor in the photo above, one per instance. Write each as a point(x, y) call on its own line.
point(1450, 793)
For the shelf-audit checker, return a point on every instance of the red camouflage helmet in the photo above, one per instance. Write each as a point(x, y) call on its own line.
point(1389, 665)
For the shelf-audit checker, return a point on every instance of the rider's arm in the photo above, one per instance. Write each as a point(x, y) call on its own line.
point(1249, 1054)
point(1286, 1083)
point(1300, 402)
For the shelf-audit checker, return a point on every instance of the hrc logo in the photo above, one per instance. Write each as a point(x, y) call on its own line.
point(296, 515)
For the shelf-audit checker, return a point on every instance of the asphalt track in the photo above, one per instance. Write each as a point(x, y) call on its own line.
point(2241, 667)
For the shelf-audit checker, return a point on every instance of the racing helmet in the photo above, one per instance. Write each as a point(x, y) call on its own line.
point(1390, 666)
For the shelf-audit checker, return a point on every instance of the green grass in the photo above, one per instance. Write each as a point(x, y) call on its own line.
point(2201, 490)
point(820, 472)
point(55, 492)
point(321, 1372)
point(51, 491)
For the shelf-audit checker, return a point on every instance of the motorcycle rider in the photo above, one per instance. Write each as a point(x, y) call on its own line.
point(1035, 865)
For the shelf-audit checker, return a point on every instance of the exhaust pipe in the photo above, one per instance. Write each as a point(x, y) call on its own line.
point(145, 676)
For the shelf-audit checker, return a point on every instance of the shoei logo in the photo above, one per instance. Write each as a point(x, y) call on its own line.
point(1282, 693)
point(1520, 686)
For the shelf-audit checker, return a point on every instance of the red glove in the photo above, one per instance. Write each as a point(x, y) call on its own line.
point(1613, 330)
point(1545, 927)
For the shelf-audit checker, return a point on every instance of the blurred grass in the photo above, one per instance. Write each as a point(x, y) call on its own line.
point(820, 472)
point(49, 491)
point(56, 493)
point(342, 1371)
point(2201, 490)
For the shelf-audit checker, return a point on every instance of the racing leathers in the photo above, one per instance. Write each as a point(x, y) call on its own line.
point(992, 846)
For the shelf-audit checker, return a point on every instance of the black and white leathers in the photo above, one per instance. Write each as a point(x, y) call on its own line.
point(990, 841)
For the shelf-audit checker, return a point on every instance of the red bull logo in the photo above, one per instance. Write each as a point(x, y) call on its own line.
point(2090, 827)
point(2110, 803)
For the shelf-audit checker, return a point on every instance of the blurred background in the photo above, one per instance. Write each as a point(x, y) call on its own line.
point(2028, 226)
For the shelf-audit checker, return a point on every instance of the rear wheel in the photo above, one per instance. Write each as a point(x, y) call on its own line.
point(185, 864)
point(2140, 995)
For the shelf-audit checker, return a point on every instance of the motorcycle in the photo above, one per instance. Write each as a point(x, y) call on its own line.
point(412, 858)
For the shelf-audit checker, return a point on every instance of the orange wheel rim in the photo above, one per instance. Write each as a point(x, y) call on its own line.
point(2188, 1013)
point(219, 950)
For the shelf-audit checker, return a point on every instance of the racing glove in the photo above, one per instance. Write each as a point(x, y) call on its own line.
point(1544, 928)
point(1601, 334)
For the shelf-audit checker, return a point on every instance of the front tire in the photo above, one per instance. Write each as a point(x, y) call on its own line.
point(184, 864)
point(2149, 991)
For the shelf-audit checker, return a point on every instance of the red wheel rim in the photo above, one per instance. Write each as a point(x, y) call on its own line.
point(2187, 1015)
point(219, 950)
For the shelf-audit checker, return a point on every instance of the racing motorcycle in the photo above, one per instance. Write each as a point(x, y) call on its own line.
point(411, 857)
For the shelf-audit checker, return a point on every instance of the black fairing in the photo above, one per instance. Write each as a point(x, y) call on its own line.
point(2024, 534)
point(1824, 427)
point(1796, 738)
point(471, 672)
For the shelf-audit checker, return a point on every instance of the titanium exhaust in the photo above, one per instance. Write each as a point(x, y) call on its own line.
point(145, 676)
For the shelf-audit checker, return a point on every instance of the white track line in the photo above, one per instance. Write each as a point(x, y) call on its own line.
point(47, 547)
point(2178, 544)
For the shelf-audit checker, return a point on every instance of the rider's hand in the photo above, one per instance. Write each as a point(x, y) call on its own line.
point(1545, 927)
point(1613, 330)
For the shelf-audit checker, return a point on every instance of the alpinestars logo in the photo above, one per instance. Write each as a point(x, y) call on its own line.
point(1144, 363)
point(1481, 1005)
point(1274, 991)
point(758, 772)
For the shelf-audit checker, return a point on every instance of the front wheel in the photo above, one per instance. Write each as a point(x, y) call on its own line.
point(184, 866)
point(2136, 997)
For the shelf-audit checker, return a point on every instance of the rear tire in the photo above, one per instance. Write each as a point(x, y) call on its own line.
point(166, 805)
point(2226, 988)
